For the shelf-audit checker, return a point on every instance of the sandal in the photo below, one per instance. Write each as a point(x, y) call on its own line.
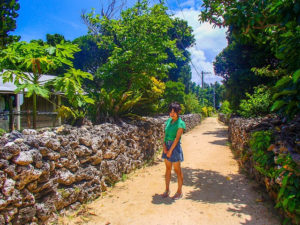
point(165, 194)
point(177, 196)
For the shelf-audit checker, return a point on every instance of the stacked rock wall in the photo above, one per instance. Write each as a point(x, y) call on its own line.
point(224, 118)
point(42, 172)
point(286, 142)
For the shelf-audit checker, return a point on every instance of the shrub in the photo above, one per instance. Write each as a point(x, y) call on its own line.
point(191, 104)
point(281, 169)
point(174, 92)
point(225, 108)
point(207, 111)
point(257, 104)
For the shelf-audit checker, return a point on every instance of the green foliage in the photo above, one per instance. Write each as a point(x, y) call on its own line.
point(138, 43)
point(27, 62)
point(287, 96)
point(71, 85)
point(182, 33)
point(234, 64)
point(257, 104)
point(225, 108)
point(271, 28)
point(2, 132)
point(112, 105)
point(8, 15)
point(191, 104)
point(288, 197)
point(174, 92)
point(270, 23)
point(207, 111)
point(54, 39)
point(135, 49)
point(91, 56)
point(259, 142)
point(284, 170)
point(150, 102)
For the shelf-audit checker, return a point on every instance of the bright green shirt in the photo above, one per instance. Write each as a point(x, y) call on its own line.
point(172, 128)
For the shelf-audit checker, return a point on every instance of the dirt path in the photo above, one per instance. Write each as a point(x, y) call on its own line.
point(215, 192)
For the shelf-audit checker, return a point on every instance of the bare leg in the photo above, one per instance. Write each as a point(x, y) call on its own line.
point(168, 174)
point(178, 171)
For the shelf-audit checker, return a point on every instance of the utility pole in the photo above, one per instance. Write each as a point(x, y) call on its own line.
point(214, 95)
point(202, 80)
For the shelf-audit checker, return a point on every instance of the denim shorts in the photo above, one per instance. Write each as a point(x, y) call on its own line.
point(177, 154)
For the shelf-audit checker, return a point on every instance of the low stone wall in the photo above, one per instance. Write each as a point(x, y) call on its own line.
point(42, 172)
point(286, 142)
point(223, 118)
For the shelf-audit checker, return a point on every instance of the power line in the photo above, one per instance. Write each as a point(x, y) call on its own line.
point(202, 72)
point(182, 43)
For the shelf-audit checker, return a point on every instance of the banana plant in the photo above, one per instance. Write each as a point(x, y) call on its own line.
point(24, 64)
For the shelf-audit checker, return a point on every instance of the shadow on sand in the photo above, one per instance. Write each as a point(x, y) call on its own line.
point(212, 187)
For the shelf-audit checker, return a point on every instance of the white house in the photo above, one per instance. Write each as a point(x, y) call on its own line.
point(22, 107)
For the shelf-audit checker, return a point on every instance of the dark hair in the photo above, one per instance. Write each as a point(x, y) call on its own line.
point(176, 106)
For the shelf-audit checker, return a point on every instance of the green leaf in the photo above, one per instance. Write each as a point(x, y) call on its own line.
point(284, 93)
point(296, 76)
point(282, 82)
point(278, 105)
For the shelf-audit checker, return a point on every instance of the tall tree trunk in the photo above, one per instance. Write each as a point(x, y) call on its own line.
point(34, 110)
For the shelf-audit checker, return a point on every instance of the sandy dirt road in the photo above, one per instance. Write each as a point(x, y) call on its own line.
point(215, 192)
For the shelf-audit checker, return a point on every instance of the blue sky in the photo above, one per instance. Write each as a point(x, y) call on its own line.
point(39, 17)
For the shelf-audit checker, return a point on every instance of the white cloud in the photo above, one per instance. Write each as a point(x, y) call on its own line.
point(209, 43)
point(189, 3)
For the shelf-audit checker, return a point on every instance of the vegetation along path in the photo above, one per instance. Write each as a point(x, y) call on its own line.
point(215, 192)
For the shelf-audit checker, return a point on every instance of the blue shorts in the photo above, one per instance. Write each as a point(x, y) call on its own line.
point(177, 154)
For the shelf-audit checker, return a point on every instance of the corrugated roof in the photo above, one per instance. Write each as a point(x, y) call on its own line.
point(9, 87)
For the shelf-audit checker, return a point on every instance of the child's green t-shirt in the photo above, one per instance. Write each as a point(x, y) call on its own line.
point(172, 128)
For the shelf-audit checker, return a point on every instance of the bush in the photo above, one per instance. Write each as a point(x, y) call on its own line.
point(207, 111)
point(174, 92)
point(281, 169)
point(191, 104)
point(258, 104)
point(225, 108)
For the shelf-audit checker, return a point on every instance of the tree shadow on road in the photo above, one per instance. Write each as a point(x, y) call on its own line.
point(222, 142)
point(236, 190)
point(218, 132)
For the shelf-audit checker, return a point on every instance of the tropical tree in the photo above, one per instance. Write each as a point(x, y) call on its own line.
point(183, 34)
point(234, 64)
point(8, 14)
point(272, 27)
point(54, 39)
point(174, 93)
point(24, 64)
point(137, 44)
point(91, 56)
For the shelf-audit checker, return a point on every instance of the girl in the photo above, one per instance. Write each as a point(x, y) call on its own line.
point(172, 151)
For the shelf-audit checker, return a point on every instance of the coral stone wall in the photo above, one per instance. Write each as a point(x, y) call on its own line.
point(42, 172)
point(223, 118)
point(285, 143)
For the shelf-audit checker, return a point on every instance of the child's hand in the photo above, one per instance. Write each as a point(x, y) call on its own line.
point(165, 150)
point(169, 154)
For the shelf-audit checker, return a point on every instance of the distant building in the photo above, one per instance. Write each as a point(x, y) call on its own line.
point(22, 107)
